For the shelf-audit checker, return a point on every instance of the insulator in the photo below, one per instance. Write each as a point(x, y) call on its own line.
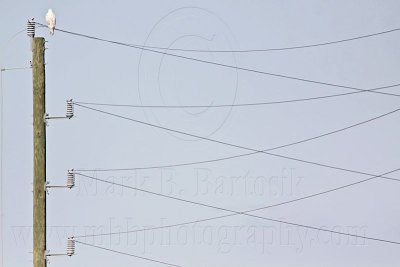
point(70, 179)
point(70, 247)
point(70, 109)
point(30, 29)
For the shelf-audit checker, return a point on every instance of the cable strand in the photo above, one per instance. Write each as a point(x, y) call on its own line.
point(246, 213)
point(128, 254)
point(239, 104)
point(254, 151)
point(224, 65)
point(264, 49)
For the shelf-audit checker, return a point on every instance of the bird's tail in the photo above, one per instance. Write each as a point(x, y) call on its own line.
point(52, 31)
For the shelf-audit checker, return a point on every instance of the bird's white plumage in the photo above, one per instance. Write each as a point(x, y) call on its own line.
point(51, 20)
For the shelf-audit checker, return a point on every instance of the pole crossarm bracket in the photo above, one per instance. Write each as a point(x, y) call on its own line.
point(69, 113)
point(70, 182)
point(69, 252)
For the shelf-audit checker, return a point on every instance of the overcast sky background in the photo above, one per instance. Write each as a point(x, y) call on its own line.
point(87, 70)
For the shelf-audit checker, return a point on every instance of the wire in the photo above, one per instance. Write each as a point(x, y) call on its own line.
point(236, 105)
point(128, 254)
point(2, 69)
point(235, 214)
point(222, 64)
point(246, 212)
point(273, 49)
point(15, 68)
point(221, 142)
point(265, 49)
point(255, 151)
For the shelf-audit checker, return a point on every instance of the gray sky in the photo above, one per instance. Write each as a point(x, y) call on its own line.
point(87, 70)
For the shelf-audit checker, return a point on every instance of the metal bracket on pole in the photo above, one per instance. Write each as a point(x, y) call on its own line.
point(70, 250)
point(69, 113)
point(70, 182)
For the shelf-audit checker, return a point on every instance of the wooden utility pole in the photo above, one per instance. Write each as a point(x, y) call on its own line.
point(39, 150)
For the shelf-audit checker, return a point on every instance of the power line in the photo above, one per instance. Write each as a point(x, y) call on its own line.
point(254, 151)
point(3, 45)
point(265, 49)
point(224, 65)
point(252, 215)
point(15, 68)
point(235, 214)
point(239, 104)
point(14, 35)
point(128, 254)
point(273, 49)
point(244, 69)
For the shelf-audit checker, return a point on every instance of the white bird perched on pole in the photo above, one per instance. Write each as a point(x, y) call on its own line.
point(51, 20)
